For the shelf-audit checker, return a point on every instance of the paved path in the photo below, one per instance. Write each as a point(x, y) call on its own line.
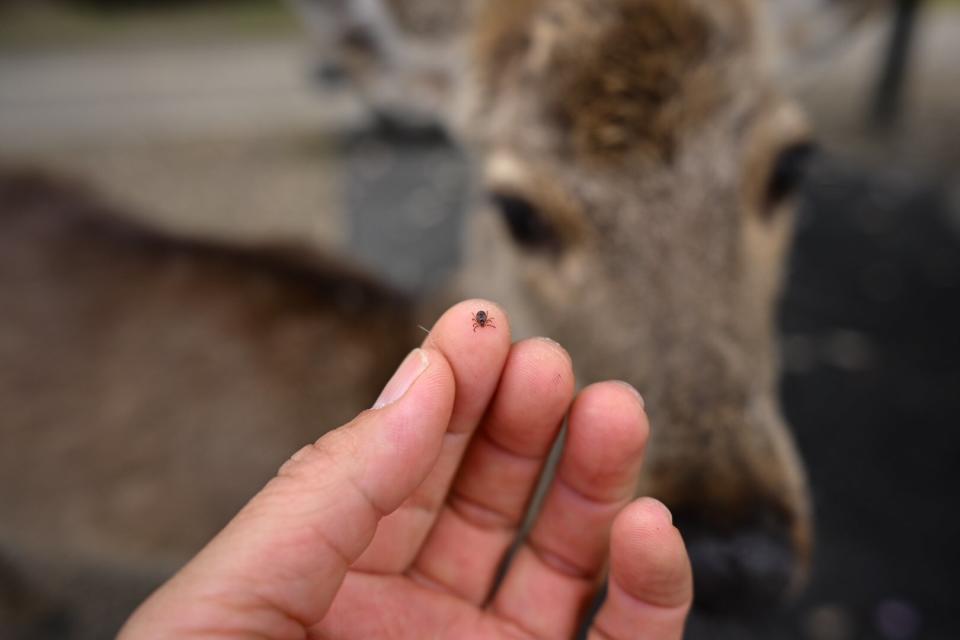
point(57, 99)
point(227, 140)
point(838, 92)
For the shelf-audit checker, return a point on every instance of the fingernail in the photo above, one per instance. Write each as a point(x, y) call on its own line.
point(413, 365)
point(633, 390)
point(556, 345)
point(662, 508)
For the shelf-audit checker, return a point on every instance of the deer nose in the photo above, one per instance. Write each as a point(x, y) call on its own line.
point(739, 570)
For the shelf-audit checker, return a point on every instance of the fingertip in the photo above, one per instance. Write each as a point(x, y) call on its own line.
point(460, 322)
point(476, 355)
point(650, 585)
point(616, 409)
point(556, 347)
point(542, 370)
point(642, 518)
point(648, 557)
point(632, 390)
point(605, 441)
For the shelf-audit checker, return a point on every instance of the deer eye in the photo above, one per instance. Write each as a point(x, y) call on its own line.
point(526, 223)
point(789, 173)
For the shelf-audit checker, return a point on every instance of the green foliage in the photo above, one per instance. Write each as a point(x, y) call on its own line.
point(56, 25)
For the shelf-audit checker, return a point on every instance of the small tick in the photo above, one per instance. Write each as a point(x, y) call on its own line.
point(481, 320)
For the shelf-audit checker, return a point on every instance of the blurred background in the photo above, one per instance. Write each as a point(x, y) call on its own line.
point(207, 117)
point(204, 115)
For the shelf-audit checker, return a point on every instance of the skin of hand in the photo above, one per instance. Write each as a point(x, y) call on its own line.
point(395, 525)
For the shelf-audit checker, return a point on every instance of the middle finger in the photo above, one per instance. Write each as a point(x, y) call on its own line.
point(489, 498)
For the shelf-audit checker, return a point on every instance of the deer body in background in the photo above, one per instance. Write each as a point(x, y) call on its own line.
point(151, 384)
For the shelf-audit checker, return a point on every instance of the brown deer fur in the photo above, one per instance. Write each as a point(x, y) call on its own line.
point(150, 384)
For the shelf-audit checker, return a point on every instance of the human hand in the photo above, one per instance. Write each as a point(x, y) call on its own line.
point(395, 524)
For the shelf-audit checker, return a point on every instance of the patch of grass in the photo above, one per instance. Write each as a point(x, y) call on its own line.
point(31, 26)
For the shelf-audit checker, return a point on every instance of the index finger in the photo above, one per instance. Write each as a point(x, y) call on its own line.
point(476, 350)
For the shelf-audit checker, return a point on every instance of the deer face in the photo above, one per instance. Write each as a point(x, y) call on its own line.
point(641, 168)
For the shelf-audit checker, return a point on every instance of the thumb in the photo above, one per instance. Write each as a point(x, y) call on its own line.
point(279, 563)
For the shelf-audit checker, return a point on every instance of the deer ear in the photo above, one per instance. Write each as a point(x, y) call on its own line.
point(809, 31)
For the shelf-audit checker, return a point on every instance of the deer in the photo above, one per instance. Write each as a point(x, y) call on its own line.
point(639, 162)
point(642, 169)
point(636, 164)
